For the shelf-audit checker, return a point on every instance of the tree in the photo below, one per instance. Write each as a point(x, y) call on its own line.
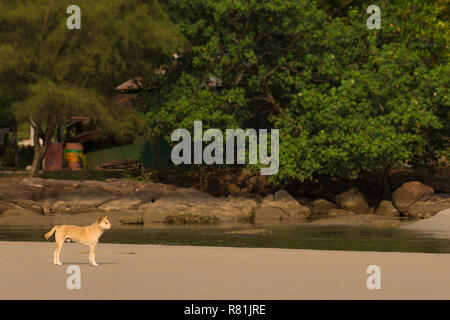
point(346, 99)
point(49, 104)
point(55, 72)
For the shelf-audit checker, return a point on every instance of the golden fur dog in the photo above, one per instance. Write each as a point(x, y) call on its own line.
point(88, 235)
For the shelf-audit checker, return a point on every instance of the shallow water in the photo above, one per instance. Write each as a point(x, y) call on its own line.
point(355, 238)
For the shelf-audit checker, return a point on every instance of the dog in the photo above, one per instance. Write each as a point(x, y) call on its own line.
point(88, 235)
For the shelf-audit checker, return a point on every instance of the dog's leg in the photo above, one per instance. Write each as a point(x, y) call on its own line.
point(56, 254)
point(92, 255)
point(59, 241)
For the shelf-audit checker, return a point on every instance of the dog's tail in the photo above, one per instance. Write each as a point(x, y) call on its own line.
point(49, 234)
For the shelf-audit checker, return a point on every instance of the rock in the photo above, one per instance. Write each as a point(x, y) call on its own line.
point(386, 208)
point(232, 187)
point(250, 231)
point(244, 195)
point(304, 201)
point(4, 207)
point(122, 204)
point(132, 201)
point(152, 201)
point(353, 200)
point(321, 207)
point(435, 204)
point(77, 201)
point(191, 204)
point(191, 219)
point(268, 215)
point(132, 219)
point(339, 212)
point(409, 193)
point(34, 182)
point(286, 203)
point(116, 187)
point(14, 212)
point(247, 202)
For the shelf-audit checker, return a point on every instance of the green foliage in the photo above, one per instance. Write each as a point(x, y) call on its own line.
point(50, 72)
point(139, 175)
point(117, 41)
point(48, 102)
point(83, 160)
point(346, 99)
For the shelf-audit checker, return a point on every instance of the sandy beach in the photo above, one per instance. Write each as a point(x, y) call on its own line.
point(186, 272)
point(438, 225)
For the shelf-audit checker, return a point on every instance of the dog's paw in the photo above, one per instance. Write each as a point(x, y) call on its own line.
point(94, 264)
point(57, 263)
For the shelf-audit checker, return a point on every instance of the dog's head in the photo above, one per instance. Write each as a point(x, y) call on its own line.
point(104, 223)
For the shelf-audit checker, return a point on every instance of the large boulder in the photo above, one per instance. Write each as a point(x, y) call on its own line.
point(353, 200)
point(283, 201)
point(114, 186)
point(242, 195)
point(386, 208)
point(245, 200)
point(191, 205)
point(132, 201)
point(77, 201)
point(409, 193)
point(267, 215)
point(122, 204)
point(41, 189)
point(321, 207)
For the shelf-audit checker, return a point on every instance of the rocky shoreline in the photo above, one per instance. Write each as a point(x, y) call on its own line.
point(36, 201)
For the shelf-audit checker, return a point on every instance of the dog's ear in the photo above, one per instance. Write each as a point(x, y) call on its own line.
point(100, 218)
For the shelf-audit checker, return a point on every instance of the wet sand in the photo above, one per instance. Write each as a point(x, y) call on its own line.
point(185, 272)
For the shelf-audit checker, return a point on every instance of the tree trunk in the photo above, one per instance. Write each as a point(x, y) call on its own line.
point(37, 161)
point(202, 176)
point(14, 144)
point(4, 140)
point(387, 183)
point(384, 187)
point(39, 151)
point(37, 158)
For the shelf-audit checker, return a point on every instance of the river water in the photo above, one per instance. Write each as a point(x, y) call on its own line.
point(355, 238)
